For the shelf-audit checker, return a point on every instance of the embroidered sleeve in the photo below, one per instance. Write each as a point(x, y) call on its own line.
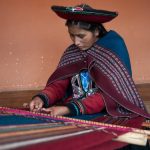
point(88, 105)
point(54, 92)
point(76, 108)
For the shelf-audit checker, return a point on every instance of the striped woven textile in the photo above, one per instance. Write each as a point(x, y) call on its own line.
point(110, 75)
point(21, 129)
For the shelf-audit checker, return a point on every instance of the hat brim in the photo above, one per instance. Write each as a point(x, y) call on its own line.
point(93, 16)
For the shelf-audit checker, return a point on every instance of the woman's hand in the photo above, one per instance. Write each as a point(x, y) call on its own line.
point(57, 110)
point(36, 104)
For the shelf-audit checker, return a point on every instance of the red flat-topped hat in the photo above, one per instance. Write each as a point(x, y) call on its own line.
point(84, 13)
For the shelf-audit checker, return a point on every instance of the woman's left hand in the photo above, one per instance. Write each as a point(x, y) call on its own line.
point(57, 110)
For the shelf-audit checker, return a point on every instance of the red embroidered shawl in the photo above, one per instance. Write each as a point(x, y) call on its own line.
point(110, 75)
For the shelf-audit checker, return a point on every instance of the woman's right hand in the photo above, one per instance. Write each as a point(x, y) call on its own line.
point(36, 104)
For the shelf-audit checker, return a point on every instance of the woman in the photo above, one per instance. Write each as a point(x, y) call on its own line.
point(94, 73)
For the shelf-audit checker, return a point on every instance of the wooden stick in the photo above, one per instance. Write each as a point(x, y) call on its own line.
point(146, 124)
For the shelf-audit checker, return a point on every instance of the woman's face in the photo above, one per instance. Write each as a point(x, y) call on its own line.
point(83, 39)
